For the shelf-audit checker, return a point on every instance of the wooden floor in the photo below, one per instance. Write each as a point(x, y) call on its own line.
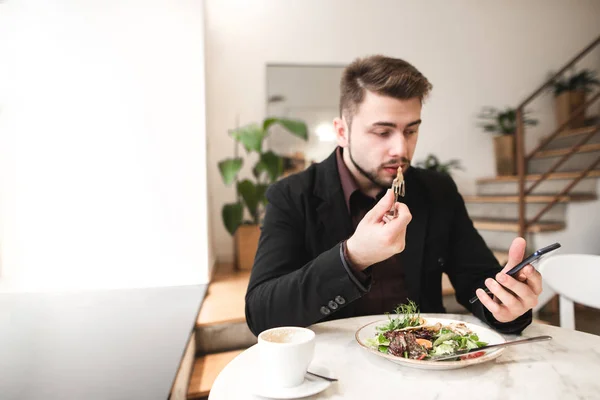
point(224, 304)
point(206, 369)
point(225, 299)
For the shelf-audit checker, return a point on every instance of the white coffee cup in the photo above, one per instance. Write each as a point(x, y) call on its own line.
point(285, 354)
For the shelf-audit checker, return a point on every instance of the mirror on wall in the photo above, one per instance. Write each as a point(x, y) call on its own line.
point(309, 93)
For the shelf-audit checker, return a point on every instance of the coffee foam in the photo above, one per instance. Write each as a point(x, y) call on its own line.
point(283, 336)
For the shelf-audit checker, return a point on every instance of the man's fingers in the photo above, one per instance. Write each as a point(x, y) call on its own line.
point(403, 217)
point(381, 208)
point(521, 289)
point(533, 278)
point(508, 299)
point(487, 301)
point(515, 253)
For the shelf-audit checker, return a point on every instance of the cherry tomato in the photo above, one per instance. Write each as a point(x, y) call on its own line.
point(472, 355)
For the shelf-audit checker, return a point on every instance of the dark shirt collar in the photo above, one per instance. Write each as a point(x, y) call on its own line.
point(349, 185)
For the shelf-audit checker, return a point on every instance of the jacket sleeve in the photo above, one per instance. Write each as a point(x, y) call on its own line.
point(471, 263)
point(285, 288)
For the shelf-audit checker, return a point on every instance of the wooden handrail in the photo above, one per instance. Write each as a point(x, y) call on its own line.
point(579, 56)
point(565, 191)
point(522, 158)
point(519, 139)
point(561, 128)
point(560, 162)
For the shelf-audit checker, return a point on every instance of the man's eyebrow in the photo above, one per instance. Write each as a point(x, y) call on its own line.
point(383, 123)
point(393, 125)
point(417, 122)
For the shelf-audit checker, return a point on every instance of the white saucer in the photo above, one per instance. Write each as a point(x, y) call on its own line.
point(311, 385)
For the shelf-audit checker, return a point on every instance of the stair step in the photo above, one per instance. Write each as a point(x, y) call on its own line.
point(535, 177)
point(513, 226)
point(510, 210)
point(225, 298)
point(578, 131)
point(528, 199)
point(572, 137)
point(582, 159)
point(224, 337)
point(221, 324)
point(206, 369)
point(586, 148)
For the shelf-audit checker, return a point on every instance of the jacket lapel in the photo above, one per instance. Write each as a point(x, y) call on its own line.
point(416, 200)
point(334, 224)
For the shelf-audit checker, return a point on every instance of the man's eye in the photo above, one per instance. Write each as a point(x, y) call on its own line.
point(410, 132)
point(382, 133)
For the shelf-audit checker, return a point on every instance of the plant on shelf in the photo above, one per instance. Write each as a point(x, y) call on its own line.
point(250, 193)
point(504, 123)
point(433, 163)
point(570, 93)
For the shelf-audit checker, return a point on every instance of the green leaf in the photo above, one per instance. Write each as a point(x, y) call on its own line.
point(273, 164)
point(383, 349)
point(229, 169)
point(261, 189)
point(381, 339)
point(258, 169)
point(297, 128)
point(250, 136)
point(251, 196)
point(232, 214)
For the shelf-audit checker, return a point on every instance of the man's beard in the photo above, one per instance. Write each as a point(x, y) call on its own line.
point(372, 176)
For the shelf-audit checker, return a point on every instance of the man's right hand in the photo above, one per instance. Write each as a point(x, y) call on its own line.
point(376, 237)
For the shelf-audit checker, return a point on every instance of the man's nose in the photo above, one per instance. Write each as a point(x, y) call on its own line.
point(398, 146)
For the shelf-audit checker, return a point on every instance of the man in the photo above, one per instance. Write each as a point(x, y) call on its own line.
point(328, 249)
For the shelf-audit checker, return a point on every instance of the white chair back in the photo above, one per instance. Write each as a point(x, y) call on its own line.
point(576, 278)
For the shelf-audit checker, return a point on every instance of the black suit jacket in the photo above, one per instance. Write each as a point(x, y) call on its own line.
point(299, 277)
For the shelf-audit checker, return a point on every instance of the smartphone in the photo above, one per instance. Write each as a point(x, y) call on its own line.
point(528, 260)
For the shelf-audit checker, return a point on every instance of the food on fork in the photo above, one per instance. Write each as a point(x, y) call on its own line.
point(399, 188)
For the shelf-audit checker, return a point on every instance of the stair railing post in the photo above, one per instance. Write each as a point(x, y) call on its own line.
point(520, 155)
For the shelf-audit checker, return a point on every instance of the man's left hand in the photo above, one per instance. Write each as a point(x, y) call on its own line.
point(526, 288)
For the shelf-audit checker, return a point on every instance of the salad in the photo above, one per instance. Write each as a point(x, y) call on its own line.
point(408, 335)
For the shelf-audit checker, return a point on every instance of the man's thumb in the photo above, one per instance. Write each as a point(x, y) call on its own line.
point(382, 206)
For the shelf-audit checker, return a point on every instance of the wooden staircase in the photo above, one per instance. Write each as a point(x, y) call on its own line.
point(563, 168)
point(494, 209)
point(221, 332)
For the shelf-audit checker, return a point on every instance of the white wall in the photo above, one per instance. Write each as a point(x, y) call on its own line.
point(475, 53)
point(102, 144)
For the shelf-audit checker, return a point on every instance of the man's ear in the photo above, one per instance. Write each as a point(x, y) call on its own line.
point(341, 132)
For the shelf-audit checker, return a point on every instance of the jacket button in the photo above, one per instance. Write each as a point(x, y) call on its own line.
point(325, 310)
point(340, 300)
point(441, 261)
point(333, 305)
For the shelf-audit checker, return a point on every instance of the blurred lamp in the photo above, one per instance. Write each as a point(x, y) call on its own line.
point(325, 132)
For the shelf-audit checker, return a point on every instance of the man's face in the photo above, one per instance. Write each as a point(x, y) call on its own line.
point(382, 137)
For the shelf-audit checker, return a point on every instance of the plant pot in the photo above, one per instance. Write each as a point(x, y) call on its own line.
point(504, 149)
point(565, 104)
point(246, 242)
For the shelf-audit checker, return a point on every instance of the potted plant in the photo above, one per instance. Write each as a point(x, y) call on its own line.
point(433, 163)
point(250, 193)
point(503, 123)
point(570, 93)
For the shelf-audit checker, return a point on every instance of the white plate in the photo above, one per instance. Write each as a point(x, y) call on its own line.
point(485, 335)
point(311, 385)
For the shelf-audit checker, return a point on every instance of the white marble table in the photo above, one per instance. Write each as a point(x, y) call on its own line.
point(97, 344)
point(568, 367)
